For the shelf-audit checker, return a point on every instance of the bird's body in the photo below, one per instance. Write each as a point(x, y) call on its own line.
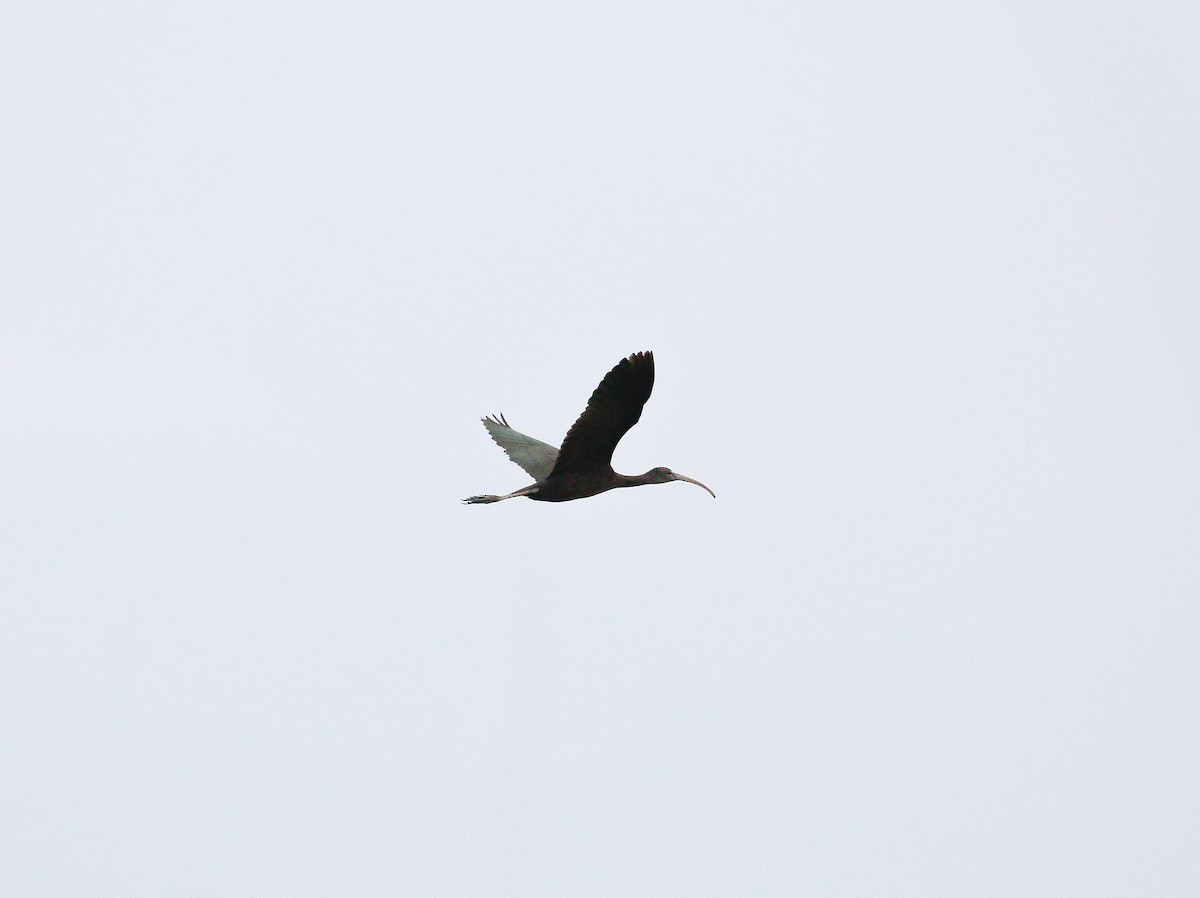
point(583, 466)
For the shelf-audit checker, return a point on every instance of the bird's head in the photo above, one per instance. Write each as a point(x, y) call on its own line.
point(666, 475)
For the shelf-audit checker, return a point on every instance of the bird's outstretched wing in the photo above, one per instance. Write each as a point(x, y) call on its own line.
point(615, 407)
point(536, 457)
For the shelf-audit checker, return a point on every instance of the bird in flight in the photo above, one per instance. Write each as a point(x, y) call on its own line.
point(583, 466)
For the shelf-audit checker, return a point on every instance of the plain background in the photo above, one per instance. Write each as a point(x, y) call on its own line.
point(921, 281)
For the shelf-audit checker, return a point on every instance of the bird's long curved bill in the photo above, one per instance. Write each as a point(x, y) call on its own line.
point(697, 482)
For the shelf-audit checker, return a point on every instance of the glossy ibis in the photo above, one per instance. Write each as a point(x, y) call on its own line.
point(583, 466)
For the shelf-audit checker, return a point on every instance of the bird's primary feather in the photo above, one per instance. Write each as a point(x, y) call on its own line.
point(534, 456)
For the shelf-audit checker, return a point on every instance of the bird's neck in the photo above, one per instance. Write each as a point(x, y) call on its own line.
point(631, 479)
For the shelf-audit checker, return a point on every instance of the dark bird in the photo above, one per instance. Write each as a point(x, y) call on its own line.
point(583, 466)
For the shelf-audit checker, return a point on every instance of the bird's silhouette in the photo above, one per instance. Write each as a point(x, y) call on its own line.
point(583, 466)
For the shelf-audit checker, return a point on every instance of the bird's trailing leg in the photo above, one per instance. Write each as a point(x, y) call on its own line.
point(480, 500)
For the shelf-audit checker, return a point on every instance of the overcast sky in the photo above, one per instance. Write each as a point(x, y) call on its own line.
point(923, 288)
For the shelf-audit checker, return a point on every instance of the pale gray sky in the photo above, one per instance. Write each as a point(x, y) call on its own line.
point(921, 282)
